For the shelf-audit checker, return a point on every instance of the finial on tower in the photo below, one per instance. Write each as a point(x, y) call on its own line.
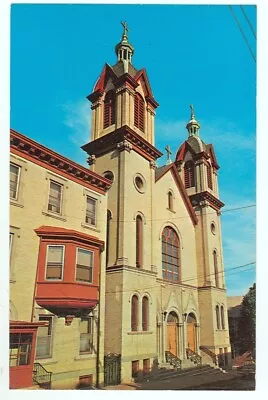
point(124, 49)
point(167, 148)
point(125, 35)
point(193, 125)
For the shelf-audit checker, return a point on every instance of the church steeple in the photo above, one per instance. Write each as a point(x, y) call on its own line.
point(124, 49)
point(193, 125)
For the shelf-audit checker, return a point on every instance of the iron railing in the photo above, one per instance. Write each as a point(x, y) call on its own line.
point(194, 357)
point(41, 376)
point(173, 360)
point(210, 353)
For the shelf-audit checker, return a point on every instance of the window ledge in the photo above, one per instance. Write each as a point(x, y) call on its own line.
point(87, 356)
point(92, 227)
point(45, 360)
point(140, 333)
point(15, 203)
point(54, 215)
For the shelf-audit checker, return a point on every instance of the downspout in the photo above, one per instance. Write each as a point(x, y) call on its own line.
point(98, 333)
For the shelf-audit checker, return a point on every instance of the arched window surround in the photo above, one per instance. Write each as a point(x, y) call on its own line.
point(145, 313)
point(139, 112)
point(171, 255)
point(139, 240)
point(218, 320)
point(216, 269)
point(134, 312)
point(222, 317)
point(109, 109)
point(189, 174)
point(170, 201)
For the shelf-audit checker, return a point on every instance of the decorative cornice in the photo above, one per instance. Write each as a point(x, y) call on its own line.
point(207, 197)
point(52, 232)
point(91, 159)
point(48, 159)
point(109, 142)
point(93, 97)
point(139, 271)
point(127, 80)
point(124, 145)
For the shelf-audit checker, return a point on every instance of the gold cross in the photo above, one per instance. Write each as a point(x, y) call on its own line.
point(125, 28)
point(167, 148)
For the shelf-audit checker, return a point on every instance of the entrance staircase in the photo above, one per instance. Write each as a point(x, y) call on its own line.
point(41, 376)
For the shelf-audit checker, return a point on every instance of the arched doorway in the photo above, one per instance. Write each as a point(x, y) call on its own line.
point(172, 333)
point(191, 332)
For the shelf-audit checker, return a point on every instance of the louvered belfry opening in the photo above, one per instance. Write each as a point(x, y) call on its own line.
point(139, 112)
point(209, 177)
point(189, 178)
point(109, 109)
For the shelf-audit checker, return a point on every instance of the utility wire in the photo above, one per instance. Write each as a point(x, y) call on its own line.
point(248, 21)
point(242, 32)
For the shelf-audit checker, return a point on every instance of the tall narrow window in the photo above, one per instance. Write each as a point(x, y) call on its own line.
point(55, 197)
point(134, 313)
point(86, 335)
point(44, 338)
point(145, 313)
point(84, 265)
point(11, 238)
point(222, 318)
point(189, 177)
point(14, 181)
point(109, 109)
point(91, 211)
point(170, 255)
point(109, 217)
point(216, 272)
point(139, 112)
point(170, 201)
point(139, 241)
point(54, 267)
point(209, 177)
point(218, 317)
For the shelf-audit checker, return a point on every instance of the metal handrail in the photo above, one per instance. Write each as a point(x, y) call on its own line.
point(173, 360)
point(193, 356)
point(41, 376)
point(211, 354)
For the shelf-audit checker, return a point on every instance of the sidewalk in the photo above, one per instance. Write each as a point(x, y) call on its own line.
point(130, 386)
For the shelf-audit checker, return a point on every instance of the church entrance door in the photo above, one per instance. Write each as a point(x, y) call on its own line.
point(172, 333)
point(191, 332)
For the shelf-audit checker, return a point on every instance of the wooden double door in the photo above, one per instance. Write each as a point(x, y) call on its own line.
point(172, 338)
point(191, 335)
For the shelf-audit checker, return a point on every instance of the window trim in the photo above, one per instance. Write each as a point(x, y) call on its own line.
point(61, 197)
point(218, 317)
point(139, 240)
point(51, 326)
point(63, 263)
point(166, 254)
point(145, 321)
point(91, 350)
point(134, 314)
point(93, 260)
point(18, 181)
point(96, 208)
point(222, 315)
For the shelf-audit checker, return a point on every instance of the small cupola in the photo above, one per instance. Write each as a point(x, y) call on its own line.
point(124, 50)
point(193, 125)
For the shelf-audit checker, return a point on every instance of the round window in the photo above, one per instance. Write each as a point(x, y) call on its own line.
point(109, 175)
point(139, 183)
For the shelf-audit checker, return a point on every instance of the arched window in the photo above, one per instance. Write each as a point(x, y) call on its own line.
point(134, 313)
point(218, 317)
point(209, 177)
point(170, 255)
point(109, 109)
point(216, 272)
point(109, 217)
point(189, 178)
point(222, 318)
point(170, 201)
point(139, 112)
point(145, 313)
point(139, 240)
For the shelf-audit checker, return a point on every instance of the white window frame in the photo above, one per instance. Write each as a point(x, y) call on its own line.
point(61, 196)
point(91, 351)
point(18, 181)
point(51, 338)
point(63, 262)
point(93, 260)
point(96, 205)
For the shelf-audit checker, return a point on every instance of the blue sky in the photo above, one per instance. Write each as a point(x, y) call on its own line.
point(192, 54)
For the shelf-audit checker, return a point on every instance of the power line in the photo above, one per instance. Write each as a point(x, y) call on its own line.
point(242, 32)
point(226, 272)
point(248, 21)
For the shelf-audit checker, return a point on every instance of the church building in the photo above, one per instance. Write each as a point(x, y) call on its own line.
point(116, 269)
point(165, 297)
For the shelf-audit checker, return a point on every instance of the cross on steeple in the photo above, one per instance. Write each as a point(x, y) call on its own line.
point(167, 148)
point(125, 30)
point(192, 111)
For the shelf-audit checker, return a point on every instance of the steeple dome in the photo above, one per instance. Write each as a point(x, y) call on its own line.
point(193, 125)
point(124, 49)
